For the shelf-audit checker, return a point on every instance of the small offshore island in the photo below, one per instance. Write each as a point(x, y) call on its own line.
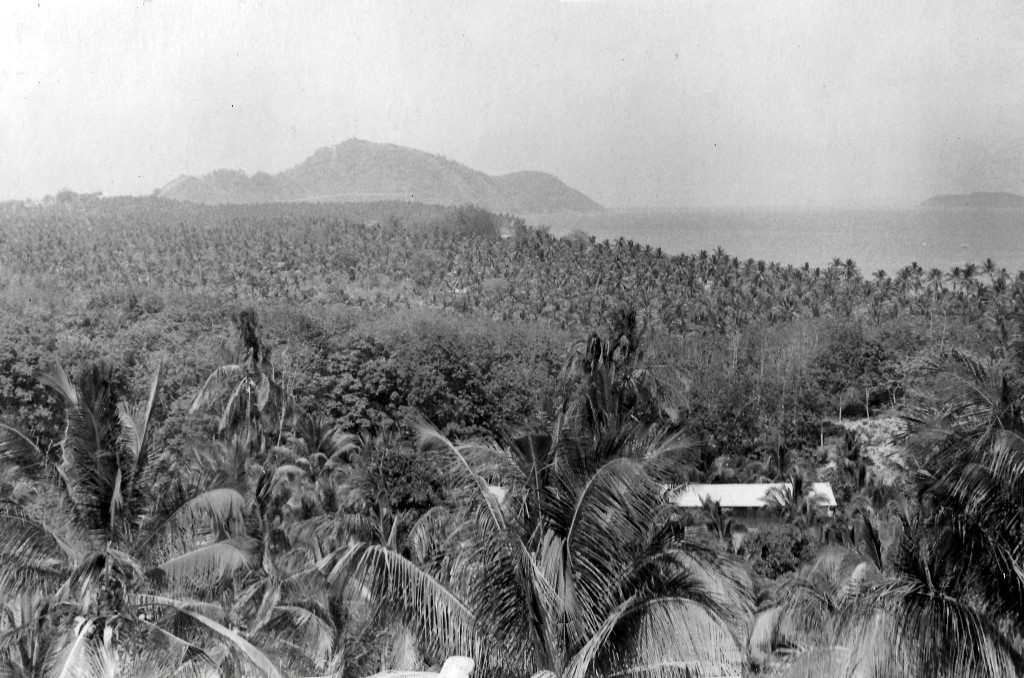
point(984, 199)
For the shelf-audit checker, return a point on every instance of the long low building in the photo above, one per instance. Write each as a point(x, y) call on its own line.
point(747, 496)
point(454, 667)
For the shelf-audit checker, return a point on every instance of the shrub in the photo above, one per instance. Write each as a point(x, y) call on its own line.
point(775, 550)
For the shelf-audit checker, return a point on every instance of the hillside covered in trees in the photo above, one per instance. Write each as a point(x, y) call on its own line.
point(333, 439)
point(356, 170)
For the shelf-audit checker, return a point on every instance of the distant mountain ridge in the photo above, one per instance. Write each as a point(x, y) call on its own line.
point(977, 199)
point(358, 171)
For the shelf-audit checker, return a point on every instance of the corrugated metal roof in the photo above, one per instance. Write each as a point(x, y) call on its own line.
point(744, 495)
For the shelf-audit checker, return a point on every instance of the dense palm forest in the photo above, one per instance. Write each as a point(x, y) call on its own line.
point(331, 440)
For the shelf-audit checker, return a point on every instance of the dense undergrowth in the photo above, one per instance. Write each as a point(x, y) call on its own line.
point(369, 436)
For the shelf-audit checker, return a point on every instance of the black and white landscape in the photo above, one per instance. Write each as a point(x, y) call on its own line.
point(530, 340)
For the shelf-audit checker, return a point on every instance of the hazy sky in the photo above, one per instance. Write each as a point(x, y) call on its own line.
point(633, 102)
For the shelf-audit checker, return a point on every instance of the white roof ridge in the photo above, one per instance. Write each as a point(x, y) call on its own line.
point(743, 495)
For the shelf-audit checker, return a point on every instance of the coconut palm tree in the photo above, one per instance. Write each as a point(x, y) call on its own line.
point(924, 617)
point(560, 553)
point(801, 616)
point(384, 513)
point(719, 523)
point(104, 548)
point(946, 600)
point(970, 447)
point(611, 377)
point(283, 602)
point(248, 393)
point(795, 503)
point(30, 638)
point(575, 569)
point(909, 614)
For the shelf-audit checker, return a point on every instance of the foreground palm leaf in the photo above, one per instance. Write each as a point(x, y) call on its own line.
point(583, 575)
point(101, 543)
point(915, 617)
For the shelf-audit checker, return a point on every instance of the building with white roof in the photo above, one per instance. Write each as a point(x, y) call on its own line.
point(746, 495)
point(454, 667)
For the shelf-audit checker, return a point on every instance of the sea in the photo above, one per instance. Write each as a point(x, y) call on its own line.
point(876, 239)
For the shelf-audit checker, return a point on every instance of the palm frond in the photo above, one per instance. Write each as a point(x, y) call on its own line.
point(19, 455)
point(303, 631)
point(83, 438)
point(220, 508)
point(716, 580)
point(535, 456)
point(611, 514)
point(462, 470)
point(204, 567)
point(73, 661)
point(212, 388)
point(31, 555)
point(134, 437)
point(429, 532)
point(552, 596)
point(328, 531)
point(504, 586)
point(157, 641)
point(135, 419)
point(149, 600)
point(254, 655)
point(422, 602)
point(203, 613)
point(765, 636)
point(658, 636)
point(57, 379)
point(233, 409)
point(663, 453)
point(910, 631)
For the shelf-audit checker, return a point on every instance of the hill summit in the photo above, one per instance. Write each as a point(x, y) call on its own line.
point(360, 171)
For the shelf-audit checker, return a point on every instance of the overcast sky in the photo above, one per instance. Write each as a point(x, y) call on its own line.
point(633, 102)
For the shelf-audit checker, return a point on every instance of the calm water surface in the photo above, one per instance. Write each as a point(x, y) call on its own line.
point(876, 239)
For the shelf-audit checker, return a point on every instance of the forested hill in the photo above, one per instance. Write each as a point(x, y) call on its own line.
point(357, 170)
